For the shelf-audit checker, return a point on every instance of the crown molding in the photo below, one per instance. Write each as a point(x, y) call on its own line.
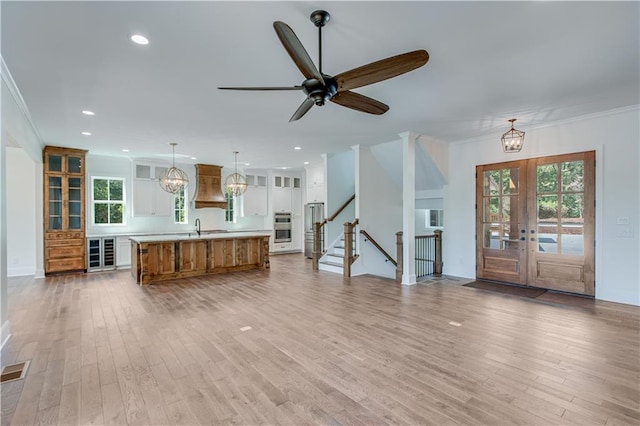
point(8, 80)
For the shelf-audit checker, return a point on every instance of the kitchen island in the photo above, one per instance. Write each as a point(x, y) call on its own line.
point(166, 257)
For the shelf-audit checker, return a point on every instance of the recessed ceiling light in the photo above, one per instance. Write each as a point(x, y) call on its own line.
point(87, 112)
point(306, 162)
point(86, 133)
point(284, 168)
point(193, 158)
point(247, 164)
point(139, 39)
point(297, 147)
point(125, 150)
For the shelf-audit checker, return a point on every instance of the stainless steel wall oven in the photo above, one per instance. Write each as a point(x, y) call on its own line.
point(282, 227)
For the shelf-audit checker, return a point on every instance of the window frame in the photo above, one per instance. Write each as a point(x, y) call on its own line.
point(109, 202)
point(185, 206)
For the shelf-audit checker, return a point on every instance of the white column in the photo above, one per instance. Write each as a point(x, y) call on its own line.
point(408, 207)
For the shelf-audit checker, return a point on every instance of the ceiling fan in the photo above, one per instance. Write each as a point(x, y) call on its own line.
point(320, 87)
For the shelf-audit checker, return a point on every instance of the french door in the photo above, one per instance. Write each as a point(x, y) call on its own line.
point(535, 222)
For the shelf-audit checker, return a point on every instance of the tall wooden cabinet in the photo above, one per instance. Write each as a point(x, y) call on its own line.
point(64, 209)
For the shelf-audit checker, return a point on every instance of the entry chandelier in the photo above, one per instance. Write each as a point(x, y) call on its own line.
point(235, 184)
point(174, 179)
point(512, 140)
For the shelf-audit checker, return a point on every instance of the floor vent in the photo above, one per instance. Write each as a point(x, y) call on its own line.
point(14, 372)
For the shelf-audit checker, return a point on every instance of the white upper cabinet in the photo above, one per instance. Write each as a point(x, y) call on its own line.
point(149, 199)
point(255, 199)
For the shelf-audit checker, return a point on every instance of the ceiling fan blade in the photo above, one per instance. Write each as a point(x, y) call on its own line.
point(359, 102)
point(381, 70)
point(297, 51)
point(263, 88)
point(302, 110)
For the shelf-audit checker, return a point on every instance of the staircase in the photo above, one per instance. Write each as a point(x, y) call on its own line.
point(333, 259)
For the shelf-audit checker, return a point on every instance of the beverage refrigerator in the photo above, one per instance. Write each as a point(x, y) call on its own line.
point(313, 212)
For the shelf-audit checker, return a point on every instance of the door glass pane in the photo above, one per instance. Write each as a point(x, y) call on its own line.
point(492, 209)
point(55, 208)
point(55, 163)
point(492, 182)
point(74, 164)
point(547, 178)
point(547, 223)
point(572, 229)
point(510, 181)
point(572, 176)
point(491, 236)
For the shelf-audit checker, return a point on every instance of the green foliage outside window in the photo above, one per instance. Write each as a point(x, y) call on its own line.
point(108, 201)
point(228, 214)
point(180, 206)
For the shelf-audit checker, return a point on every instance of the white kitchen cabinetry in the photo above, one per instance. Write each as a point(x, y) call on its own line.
point(149, 199)
point(282, 194)
point(255, 199)
point(123, 252)
point(315, 185)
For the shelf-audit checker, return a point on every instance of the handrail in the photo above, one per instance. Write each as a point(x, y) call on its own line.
point(342, 207)
point(375, 243)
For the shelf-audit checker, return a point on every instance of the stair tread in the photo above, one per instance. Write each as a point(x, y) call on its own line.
point(341, 256)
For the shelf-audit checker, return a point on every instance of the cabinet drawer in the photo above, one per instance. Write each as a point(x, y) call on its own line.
point(63, 235)
point(61, 243)
point(62, 252)
point(59, 265)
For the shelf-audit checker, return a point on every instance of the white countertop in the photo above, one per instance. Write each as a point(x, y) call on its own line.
point(195, 236)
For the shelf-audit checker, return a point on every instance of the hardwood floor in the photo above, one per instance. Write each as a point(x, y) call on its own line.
point(293, 346)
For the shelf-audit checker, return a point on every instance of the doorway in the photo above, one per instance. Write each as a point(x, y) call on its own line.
point(535, 222)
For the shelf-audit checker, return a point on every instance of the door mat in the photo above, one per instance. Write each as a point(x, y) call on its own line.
point(507, 289)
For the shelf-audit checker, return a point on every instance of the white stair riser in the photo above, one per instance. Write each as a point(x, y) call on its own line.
point(330, 268)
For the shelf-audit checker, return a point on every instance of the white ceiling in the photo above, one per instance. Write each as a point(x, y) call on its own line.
point(537, 61)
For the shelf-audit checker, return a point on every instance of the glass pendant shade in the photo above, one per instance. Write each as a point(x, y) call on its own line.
point(174, 179)
point(512, 140)
point(235, 184)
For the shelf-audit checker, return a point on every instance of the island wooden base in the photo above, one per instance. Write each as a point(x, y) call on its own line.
point(166, 260)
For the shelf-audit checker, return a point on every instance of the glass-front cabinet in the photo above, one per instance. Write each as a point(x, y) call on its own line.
point(64, 209)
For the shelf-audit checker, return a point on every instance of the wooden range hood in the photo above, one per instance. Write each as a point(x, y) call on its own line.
point(209, 187)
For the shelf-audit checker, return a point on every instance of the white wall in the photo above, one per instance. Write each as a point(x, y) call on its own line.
point(17, 130)
point(379, 209)
point(341, 184)
point(615, 137)
point(21, 172)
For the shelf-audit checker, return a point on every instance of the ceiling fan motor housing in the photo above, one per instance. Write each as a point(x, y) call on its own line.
point(320, 93)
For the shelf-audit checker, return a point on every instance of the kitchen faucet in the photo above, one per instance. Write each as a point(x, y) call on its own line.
point(198, 226)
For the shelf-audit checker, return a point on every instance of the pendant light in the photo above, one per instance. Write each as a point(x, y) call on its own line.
point(174, 179)
point(512, 140)
point(235, 184)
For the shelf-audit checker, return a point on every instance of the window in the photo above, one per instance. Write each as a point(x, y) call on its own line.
point(107, 195)
point(434, 219)
point(180, 206)
point(228, 215)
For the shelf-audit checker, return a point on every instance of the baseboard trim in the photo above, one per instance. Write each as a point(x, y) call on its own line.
point(19, 272)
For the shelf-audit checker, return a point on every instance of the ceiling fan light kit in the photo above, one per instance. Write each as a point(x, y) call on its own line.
point(513, 139)
point(320, 87)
